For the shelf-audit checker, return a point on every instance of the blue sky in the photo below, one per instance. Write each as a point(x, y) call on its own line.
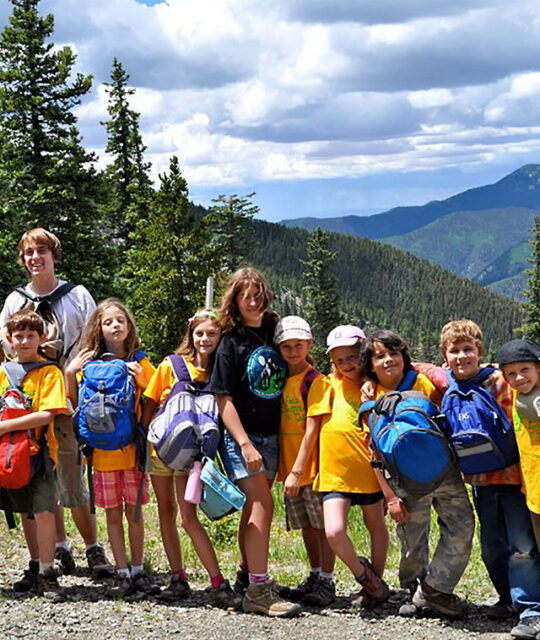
point(323, 107)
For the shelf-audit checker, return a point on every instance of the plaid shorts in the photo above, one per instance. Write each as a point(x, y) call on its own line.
point(304, 510)
point(113, 488)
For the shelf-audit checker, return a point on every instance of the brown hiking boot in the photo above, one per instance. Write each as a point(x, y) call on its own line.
point(263, 598)
point(374, 588)
point(225, 598)
point(447, 604)
point(29, 581)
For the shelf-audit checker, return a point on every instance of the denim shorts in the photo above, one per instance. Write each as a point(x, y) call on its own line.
point(357, 499)
point(234, 463)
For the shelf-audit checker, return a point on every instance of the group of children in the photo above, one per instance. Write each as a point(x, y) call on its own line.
point(281, 417)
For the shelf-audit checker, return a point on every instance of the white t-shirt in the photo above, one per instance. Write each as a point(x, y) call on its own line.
point(72, 310)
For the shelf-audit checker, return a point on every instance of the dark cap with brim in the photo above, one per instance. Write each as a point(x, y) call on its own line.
point(518, 351)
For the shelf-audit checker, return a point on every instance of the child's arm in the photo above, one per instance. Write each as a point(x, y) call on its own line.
point(78, 362)
point(232, 422)
point(148, 411)
point(29, 421)
point(292, 482)
point(396, 506)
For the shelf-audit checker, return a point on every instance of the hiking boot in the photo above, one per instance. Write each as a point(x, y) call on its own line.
point(296, 594)
point(374, 587)
point(144, 583)
point(527, 629)
point(99, 565)
point(64, 559)
point(447, 604)
point(126, 587)
point(242, 582)
point(361, 599)
point(48, 587)
point(29, 580)
point(322, 594)
point(225, 598)
point(263, 598)
point(176, 590)
point(501, 610)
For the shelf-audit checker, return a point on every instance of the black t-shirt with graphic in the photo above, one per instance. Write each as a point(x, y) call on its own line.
point(248, 368)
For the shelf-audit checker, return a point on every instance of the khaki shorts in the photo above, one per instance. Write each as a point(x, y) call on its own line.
point(304, 510)
point(160, 469)
point(70, 483)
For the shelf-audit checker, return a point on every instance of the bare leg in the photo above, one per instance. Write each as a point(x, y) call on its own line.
point(115, 529)
point(136, 535)
point(167, 510)
point(31, 536)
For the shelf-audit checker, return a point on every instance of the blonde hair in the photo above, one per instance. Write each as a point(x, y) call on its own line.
point(228, 313)
point(358, 346)
point(93, 335)
point(25, 319)
point(40, 236)
point(187, 346)
point(461, 330)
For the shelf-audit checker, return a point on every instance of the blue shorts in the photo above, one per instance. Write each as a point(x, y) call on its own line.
point(357, 499)
point(234, 463)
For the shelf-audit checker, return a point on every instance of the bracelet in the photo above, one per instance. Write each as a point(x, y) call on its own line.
point(396, 501)
point(296, 474)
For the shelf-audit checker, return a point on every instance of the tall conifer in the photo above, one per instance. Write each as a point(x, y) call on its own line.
point(531, 325)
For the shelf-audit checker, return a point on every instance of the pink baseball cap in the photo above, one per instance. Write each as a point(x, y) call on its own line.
point(344, 336)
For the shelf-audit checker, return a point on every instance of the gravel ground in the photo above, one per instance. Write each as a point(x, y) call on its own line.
point(93, 612)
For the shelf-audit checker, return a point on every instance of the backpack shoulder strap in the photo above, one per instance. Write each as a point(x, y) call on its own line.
point(408, 380)
point(307, 381)
point(365, 407)
point(139, 355)
point(180, 368)
point(16, 372)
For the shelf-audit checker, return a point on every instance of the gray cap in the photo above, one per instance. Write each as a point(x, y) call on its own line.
point(518, 351)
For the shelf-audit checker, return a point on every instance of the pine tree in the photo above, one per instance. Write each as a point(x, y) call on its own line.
point(320, 291)
point(170, 261)
point(46, 176)
point(531, 325)
point(229, 219)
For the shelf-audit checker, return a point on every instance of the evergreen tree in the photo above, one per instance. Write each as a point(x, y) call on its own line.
point(46, 176)
point(229, 219)
point(170, 261)
point(531, 325)
point(320, 290)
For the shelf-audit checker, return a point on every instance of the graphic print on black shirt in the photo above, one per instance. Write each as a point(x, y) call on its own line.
point(266, 372)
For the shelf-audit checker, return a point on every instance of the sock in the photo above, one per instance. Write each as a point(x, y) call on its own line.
point(181, 573)
point(123, 573)
point(136, 569)
point(244, 566)
point(91, 546)
point(327, 575)
point(65, 544)
point(258, 578)
point(43, 566)
point(217, 580)
point(316, 571)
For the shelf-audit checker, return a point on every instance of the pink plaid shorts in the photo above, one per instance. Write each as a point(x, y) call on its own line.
point(113, 488)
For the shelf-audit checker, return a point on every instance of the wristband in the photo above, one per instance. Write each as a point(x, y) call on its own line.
point(296, 474)
point(396, 501)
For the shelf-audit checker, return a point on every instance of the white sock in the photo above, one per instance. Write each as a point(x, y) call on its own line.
point(327, 575)
point(316, 570)
point(123, 573)
point(43, 566)
point(136, 569)
point(65, 544)
point(91, 546)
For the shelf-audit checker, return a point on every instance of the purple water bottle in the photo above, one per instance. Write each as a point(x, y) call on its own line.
point(193, 492)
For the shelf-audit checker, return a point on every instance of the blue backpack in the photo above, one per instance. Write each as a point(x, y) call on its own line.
point(478, 429)
point(406, 433)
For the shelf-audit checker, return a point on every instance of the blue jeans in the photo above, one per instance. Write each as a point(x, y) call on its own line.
point(233, 460)
point(508, 546)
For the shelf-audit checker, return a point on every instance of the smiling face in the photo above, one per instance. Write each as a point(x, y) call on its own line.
point(206, 338)
point(295, 352)
point(25, 342)
point(522, 376)
point(347, 362)
point(463, 358)
point(114, 328)
point(387, 365)
point(38, 260)
point(250, 305)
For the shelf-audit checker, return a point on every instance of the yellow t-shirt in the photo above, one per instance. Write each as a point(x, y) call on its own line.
point(46, 388)
point(293, 425)
point(422, 384)
point(163, 381)
point(344, 453)
point(123, 458)
point(528, 440)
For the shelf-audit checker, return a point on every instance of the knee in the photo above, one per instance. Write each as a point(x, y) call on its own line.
point(188, 519)
point(335, 535)
point(167, 509)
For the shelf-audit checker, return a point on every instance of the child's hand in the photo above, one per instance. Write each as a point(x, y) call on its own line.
point(397, 509)
point(78, 362)
point(368, 390)
point(291, 488)
point(251, 456)
point(135, 368)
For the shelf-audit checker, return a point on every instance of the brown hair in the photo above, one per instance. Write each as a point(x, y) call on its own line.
point(391, 341)
point(25, 319)
point(93, 335)
point(187, 346)
point(228, 314)
point(461, 330)
point(40, 236)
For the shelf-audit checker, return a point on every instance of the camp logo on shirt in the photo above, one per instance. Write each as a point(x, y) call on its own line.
point(266, 372)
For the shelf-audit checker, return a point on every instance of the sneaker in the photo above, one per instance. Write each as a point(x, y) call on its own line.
point(263, 598)
point(501, 610)
point(29, 580)
point(447, 604)
point(144, 583)
point(126, 587)
point(98, 563)
point(242, 582)
point(48, 587)
point(225, 598)
point(65, 560)
point(374, 587)
point(527, 629)
point(296, 594)
point(322, 594)
point(176, 590)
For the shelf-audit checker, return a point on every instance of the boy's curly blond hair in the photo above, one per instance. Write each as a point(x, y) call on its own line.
point(461, 330)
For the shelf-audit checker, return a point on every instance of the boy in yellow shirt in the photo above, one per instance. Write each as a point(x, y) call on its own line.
point(45, 386)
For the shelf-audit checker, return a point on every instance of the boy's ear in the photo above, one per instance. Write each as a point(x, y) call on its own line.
point(9, 338)
point(42, 338)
